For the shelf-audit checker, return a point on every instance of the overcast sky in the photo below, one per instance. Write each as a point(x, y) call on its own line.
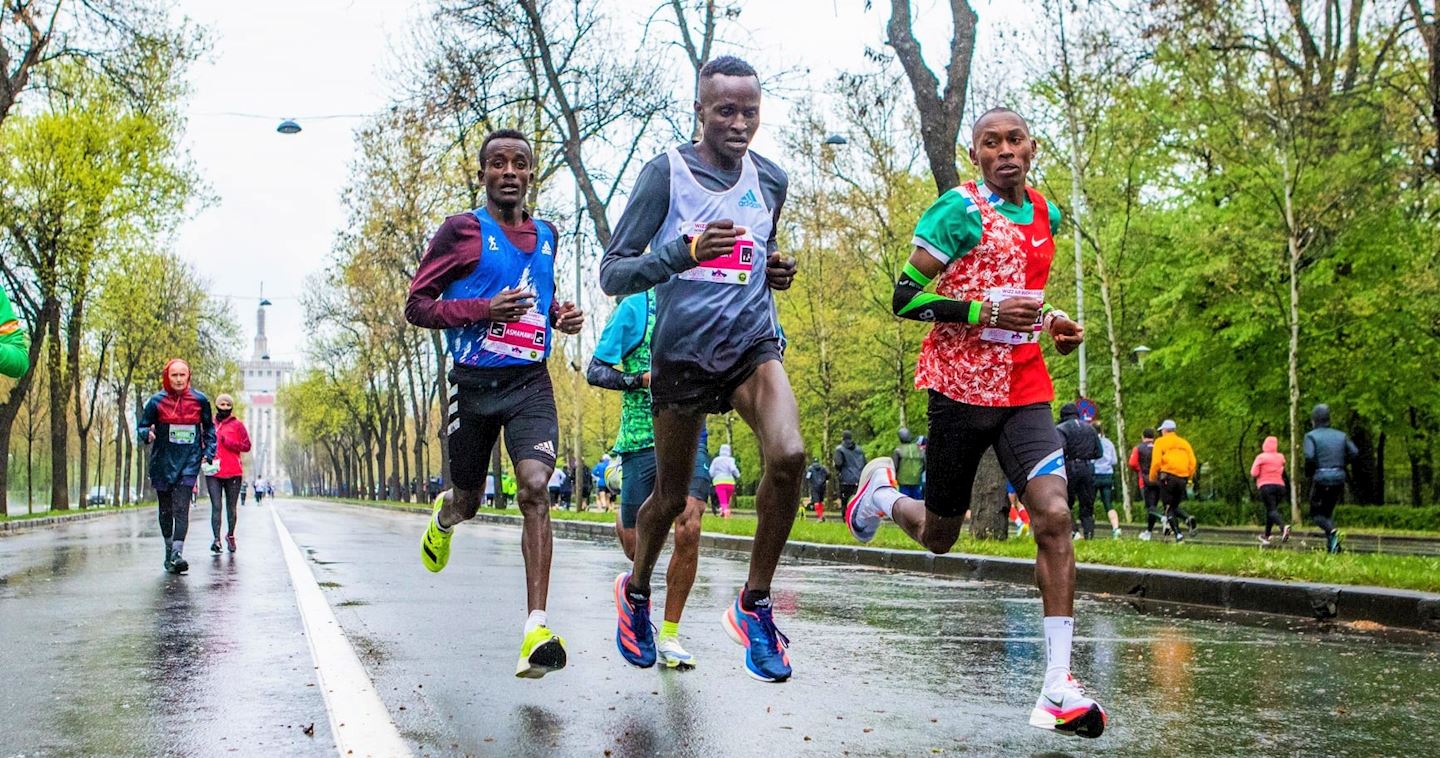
point(276, 198)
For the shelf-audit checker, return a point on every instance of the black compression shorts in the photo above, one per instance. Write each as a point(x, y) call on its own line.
point(483, 402)
point(1024, 439)
point(690, 389)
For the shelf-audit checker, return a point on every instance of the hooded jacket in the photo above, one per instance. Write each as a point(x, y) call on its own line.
point(1082, 442)
point(849, 462)
point(184, 431)
point(1172, 455)
point(1269, 466)
point(1327, 451)
point(232, 439)
point(723, 469)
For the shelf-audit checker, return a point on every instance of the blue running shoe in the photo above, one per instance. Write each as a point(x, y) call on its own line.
point(633, 633)
point(765, 656)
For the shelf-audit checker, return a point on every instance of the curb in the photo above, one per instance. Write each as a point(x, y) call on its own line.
point(10, 527)
point(1404, 609)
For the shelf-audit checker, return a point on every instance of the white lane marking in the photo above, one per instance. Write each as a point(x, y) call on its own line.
point(358, 719)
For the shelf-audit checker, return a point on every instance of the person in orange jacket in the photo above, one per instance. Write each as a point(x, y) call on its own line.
point(1172, 463)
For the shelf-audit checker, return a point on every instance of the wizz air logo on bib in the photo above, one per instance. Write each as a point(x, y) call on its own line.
point(749, 200)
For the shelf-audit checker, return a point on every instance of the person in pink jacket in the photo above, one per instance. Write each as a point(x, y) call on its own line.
point(224, 480)
point(1268, 471)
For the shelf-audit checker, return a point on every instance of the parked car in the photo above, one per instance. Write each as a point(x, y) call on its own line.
point(99, 495)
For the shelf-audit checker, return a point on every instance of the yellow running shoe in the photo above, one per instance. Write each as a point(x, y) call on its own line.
point(435, 544)
point(541, 652)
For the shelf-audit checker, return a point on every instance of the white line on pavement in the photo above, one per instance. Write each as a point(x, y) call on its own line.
point(358, 718)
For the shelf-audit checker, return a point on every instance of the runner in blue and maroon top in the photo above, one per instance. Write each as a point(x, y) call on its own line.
point(987, 247)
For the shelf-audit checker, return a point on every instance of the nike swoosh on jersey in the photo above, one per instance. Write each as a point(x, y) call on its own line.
point(1038, 241)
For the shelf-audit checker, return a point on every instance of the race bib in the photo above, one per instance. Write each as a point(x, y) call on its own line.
point(524, 339)
point(182, 434)
point(1005, 336)
point(737, 267)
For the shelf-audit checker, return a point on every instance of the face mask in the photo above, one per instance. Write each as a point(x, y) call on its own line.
point(223, 413)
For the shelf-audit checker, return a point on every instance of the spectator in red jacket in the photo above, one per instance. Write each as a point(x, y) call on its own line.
point(223, 479)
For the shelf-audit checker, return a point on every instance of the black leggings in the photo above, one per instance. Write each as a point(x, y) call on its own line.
point(1272, 495)
point(1323, 498)
point(228, 491)
point(1151, 492)
point(1080, 484)
point(1172, 493)
point(175, 513)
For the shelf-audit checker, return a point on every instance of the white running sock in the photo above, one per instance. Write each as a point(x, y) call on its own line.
point(440, 526)
point(1059, 630)
point(885, 498)
point(537, 619)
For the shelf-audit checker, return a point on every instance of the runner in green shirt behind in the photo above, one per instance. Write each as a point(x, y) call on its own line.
point(909, 465)
point(14, 350)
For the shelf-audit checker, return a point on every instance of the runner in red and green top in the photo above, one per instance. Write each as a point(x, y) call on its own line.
point(987, 248)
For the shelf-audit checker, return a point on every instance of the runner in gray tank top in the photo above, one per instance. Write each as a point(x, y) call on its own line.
point(694, 230)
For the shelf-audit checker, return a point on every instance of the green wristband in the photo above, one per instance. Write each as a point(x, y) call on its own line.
point(976, 306)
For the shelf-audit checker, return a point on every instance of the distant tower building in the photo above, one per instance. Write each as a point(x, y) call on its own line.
point(262, 378)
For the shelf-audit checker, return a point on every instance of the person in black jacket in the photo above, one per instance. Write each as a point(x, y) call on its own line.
point(817, 476)
point(1082, 448)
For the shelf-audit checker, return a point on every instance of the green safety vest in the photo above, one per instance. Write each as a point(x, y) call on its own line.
point(908, 468)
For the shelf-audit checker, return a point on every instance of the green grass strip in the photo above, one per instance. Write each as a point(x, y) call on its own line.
point(1375, 570)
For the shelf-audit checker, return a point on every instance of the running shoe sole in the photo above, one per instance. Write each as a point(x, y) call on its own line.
point(865, 476)
point(548, 656)
point(732, 629)
point(1088, 723)
point(676, 662)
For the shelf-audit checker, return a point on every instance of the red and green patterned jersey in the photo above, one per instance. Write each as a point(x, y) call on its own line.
point(14, 355)
point(986, 245)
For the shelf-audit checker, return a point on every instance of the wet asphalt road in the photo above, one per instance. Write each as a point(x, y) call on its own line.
point(105, 655)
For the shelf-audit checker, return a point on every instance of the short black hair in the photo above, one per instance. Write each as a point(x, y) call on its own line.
point(727, 65)
point(505, 134)
point(1000, 109)
point(1148, 434)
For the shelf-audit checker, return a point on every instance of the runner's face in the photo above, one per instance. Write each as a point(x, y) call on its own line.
point(1003, 150)
point(729, 113)
point(507, 171)
point(179, 375)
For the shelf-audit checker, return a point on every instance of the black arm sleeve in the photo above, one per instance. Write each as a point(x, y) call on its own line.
point(607, 377)
point(911, 301)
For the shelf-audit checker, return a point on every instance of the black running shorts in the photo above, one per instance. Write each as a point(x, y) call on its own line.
point(518, 400)
point(1024, 439)
point(638, 470)
point(688, 388)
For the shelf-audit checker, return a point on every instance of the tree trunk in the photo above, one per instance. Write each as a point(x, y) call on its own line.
point(1293, 274)
point(940, 112)
point(989, 503)
point(59, 429)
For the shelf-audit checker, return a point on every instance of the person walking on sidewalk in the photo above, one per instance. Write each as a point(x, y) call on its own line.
point(1328, 452)
point(178, 425)
point(1172, 464)
point(1105, 477)
point(224, 482)
point(817, 476)
point(1140, 457)
point(1082, 449)
point(725, 474)
point(1270, 477)
point(849, 461)
point(909, 466)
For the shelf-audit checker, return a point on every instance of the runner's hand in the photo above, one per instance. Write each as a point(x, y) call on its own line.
point(150, 435)
point(508, 306)
point(569, 318)
point(718, 240)
point(645, 379)
point(1067, 335)
point(1017, 314)
point(779, 271)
